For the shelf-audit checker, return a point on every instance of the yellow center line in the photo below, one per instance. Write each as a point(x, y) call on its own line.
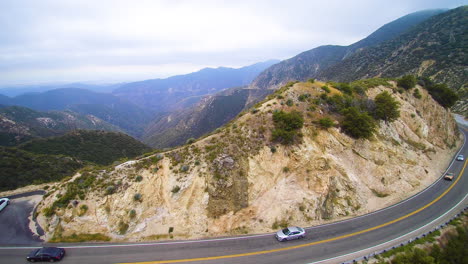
point(312, 243)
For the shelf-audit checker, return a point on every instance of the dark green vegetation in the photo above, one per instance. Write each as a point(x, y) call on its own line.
point(440, 92)
point(20, 168)
point(358, 113)
point(52, 159)
point(386, 107)
point(357, 124)
point(326, 122)
point(97, 147)
point(407, 82)
point(287, 126)
point(453, 251)
point(19, 124)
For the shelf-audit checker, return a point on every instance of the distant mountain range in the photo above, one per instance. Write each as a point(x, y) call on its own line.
point(107, 107)
point(311, 63)
point(135, 108)
point(20, 124)
point(180, 91)
point(15, 90)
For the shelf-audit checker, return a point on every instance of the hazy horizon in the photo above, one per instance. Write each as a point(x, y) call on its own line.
point(51, 42)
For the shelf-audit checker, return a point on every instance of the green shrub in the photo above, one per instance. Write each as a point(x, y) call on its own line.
point(303, 97)
point(273, 149)
point(171, 229)
point(287, 126)
point(357, 124)
point(386, 107)
point(312, 80)
point(190, 141)
point(132, 213)
point(345, 88)
point(138, 178)
point(122, 228)
point(137, 197)
point(289, 102)
point(407, 82)
point(443, 95)
point(326, 89)
point(417, 94)
point(326, 122)
point(83, 210)
point(48, 211)
point(175, 189)
point(280, 224)
point(184, 168)
point(110, 189)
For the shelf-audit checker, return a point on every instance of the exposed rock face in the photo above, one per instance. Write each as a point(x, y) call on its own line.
point(238, 181)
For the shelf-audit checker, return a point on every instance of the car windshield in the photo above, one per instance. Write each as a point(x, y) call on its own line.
point(286, 231)
point(2, 201)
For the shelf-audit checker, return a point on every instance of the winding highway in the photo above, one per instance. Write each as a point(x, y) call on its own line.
point(331, 243)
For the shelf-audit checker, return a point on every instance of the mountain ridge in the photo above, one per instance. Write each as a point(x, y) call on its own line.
point(165, 94)
point(228, 180)
point(308, 64)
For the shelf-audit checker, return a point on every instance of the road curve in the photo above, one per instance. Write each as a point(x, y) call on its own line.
point(325, 243)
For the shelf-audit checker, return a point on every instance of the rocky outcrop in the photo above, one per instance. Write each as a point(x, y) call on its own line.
point(239, 181)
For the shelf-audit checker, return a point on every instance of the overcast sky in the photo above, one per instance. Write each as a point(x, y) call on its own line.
point(48, 41)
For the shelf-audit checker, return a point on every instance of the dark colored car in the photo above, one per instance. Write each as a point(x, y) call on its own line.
point(50, 254)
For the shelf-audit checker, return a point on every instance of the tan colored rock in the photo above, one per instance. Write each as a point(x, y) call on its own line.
point(232, 182)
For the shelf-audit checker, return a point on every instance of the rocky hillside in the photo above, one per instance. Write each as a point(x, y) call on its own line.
point(436, 48)
point(174, 129)
point(226, 183)
point(311, 63)
point(178, 92)
point(20, 124)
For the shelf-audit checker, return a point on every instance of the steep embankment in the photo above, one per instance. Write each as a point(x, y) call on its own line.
point(239, 180)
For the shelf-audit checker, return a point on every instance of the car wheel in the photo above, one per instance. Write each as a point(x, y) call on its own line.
point(51, 260)
point(301, 236)
point(31, 260)
point(284, 240)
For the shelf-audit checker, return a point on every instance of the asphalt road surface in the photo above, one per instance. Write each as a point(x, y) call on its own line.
point(14, 222)
point(321, 243)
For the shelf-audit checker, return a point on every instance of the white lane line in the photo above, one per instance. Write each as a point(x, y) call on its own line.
point(395, 239)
